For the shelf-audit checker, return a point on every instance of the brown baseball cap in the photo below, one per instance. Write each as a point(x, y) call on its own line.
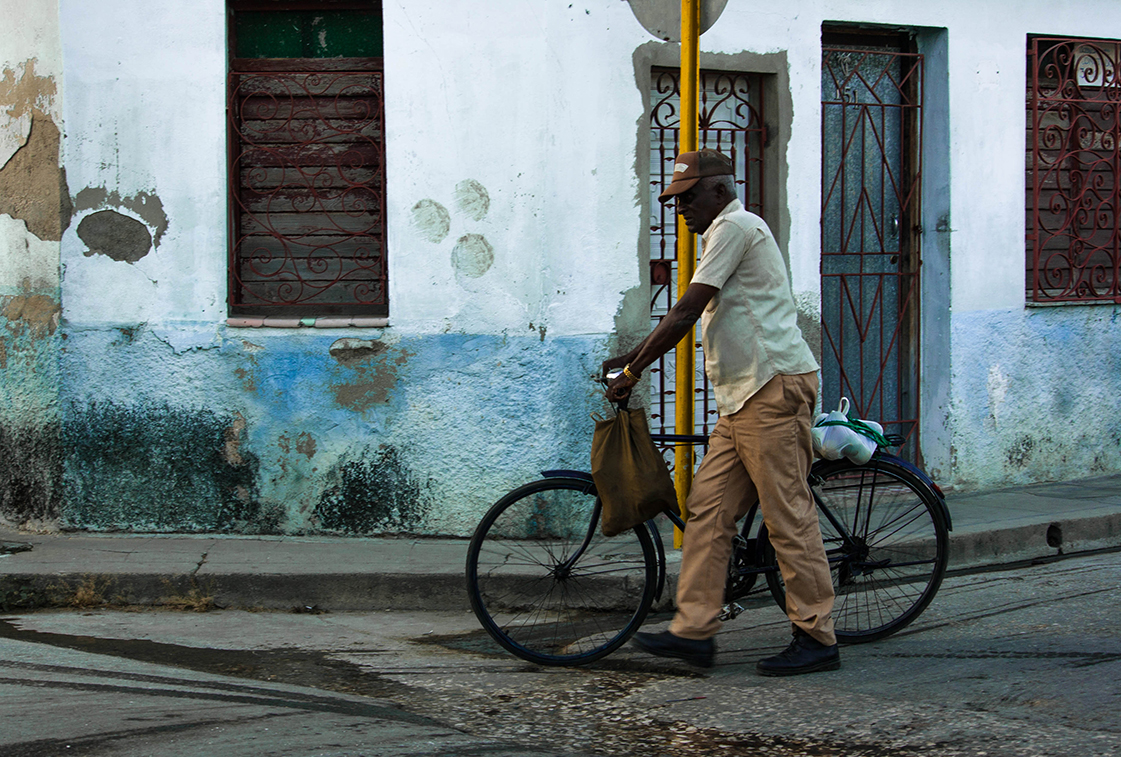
point(691, 167)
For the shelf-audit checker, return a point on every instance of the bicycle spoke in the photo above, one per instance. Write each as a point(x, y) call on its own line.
point(606, 569)
point(885, 543)
point(547, 585)
point(919, 510)
point(879, 598)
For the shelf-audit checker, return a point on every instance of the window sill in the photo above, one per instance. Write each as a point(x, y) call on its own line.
point(326, 322)
point(1029, 303)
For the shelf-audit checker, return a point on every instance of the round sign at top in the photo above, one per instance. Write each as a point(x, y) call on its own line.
point(662, 18)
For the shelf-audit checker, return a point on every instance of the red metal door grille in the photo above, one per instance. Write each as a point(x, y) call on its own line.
point(1074, 126)
point(871, 143)
point(307, 184)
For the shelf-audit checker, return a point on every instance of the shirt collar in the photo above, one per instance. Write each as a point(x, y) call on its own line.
point(731, 207)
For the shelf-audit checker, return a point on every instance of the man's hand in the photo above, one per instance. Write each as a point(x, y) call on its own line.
point(619, 388)
point(615, 364)
point(677, 323)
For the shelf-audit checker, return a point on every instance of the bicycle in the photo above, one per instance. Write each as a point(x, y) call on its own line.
point(550, 588)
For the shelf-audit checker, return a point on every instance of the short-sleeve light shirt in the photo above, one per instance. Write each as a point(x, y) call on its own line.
point(749, 330)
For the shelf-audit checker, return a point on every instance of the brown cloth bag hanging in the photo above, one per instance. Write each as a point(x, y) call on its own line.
point(631, 477)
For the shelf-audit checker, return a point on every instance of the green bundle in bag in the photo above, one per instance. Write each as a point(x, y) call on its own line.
point(631, 477)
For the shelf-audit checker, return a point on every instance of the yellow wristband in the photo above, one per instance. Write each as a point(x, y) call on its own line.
point(627, 372)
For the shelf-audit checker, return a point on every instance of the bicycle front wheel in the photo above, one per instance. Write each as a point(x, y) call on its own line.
point(887, 544)
point(545, 582)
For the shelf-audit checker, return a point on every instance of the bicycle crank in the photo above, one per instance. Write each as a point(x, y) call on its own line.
point(731, 611)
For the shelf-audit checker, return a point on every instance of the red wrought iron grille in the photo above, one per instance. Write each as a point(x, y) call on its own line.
point(1074, 170)
point(731, 120)
point(307, 184)
point(870, 234)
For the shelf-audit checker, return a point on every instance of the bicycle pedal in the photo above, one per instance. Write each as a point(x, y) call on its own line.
point(731, 611)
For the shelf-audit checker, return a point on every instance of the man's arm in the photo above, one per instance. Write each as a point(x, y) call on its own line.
point(673, 328)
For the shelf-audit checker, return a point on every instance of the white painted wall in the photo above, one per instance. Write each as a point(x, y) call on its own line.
point(515, 96)
point(147, 116)
point(986, 80)
point(536, 101)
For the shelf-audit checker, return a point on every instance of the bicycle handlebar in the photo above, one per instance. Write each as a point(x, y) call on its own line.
point(606, 381)
point(657, 438)
point(680, 438)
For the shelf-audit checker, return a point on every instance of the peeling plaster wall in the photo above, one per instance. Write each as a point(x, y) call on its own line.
point(34, 209)
point(30, 451)
point(145, 156)
point(257, 431)
point(1036, 395)
point(34, 204)
point(516, 209)
point(483, 378)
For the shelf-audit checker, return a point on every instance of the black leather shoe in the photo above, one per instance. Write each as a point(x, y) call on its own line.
point(804, 655)
point(697, 652)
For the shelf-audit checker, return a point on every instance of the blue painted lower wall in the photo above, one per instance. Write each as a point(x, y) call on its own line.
point(30, 446)
point(1036, 395)
point(197, 429)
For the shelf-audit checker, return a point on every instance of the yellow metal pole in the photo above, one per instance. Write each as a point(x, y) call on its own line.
point(686, 254)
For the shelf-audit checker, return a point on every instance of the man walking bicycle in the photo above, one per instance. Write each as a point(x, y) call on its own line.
point(765, 381)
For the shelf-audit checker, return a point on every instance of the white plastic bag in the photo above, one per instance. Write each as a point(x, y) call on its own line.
point(834, 436)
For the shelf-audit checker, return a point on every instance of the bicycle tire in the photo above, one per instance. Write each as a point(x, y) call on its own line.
point(528, 596)
point(890, 571)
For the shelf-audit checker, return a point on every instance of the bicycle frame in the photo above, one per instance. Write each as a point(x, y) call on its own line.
point(834, 555)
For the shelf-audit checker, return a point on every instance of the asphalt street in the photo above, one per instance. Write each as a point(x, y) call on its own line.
point(1025, 661)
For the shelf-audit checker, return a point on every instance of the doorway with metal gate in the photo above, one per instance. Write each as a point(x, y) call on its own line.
point(731, 119)
point(871, 131)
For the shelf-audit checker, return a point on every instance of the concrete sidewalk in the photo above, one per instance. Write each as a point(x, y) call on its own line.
point(354, 573)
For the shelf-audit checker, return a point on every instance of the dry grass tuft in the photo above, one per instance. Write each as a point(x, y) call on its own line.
point(198, 597)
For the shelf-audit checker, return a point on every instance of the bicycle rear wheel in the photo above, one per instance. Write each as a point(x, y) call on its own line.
point(887, 544)
point(545, 582)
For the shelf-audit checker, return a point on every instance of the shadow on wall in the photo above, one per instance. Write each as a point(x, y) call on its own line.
point(30, 448)
point(376, 493)
point(164, 469)
point(30, 464)
point(161, 469)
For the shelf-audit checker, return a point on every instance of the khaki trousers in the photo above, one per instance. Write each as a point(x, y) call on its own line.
point(761, 453)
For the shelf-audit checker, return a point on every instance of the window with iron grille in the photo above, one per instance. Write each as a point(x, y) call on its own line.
point(306, 159)
point(1073, 170)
